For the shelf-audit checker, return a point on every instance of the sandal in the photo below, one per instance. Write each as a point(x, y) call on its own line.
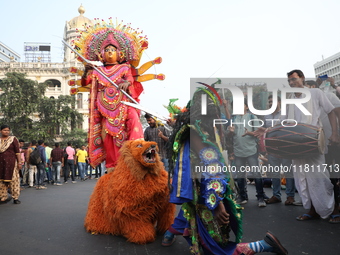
point(334, 219)
point(307, 216)
point(290, 201)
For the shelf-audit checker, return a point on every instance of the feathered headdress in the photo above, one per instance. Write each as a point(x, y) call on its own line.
point(174, 109)
point(214, 95)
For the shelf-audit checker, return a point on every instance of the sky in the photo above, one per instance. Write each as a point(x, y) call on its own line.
point(196, 39)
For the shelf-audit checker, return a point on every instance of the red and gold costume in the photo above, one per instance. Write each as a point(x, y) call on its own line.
point(109, 115)
point(110, 121)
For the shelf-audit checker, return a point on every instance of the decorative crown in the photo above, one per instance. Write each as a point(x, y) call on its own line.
point(92, 41)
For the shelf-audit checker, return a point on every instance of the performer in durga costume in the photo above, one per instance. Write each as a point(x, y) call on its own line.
point(208, 212)
point(111, 122)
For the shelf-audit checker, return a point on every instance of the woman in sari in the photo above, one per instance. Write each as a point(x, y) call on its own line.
point(10, 163)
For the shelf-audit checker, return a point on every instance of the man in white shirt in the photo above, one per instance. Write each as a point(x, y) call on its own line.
point(315, 188)
point(332, 156)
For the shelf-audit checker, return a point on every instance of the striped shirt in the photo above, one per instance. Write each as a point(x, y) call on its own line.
point(151, 134)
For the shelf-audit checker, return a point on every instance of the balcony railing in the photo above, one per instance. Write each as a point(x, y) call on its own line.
point(30, 65)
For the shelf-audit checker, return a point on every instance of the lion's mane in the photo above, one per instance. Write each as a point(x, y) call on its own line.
point(132, 201)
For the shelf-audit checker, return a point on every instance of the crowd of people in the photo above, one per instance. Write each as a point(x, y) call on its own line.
point(195, 141)
point(209, 211)
point(36, 164)
point(245, 150)
point(55, 166)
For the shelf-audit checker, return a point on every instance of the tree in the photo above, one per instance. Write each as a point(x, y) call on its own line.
point(30, 114)
point(57, 115)
point(76, 136)
point(19, 100)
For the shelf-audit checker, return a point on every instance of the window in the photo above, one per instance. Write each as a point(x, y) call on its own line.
point(53, 83)
point(80, 101)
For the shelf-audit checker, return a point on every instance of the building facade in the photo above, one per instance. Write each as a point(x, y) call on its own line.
point(329, 66)
point(56, 73)
point(7, 54)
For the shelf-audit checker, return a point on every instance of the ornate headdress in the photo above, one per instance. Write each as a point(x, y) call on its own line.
point(91, 42)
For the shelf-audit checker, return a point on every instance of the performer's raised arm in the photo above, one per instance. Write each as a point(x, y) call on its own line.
point(86, 78)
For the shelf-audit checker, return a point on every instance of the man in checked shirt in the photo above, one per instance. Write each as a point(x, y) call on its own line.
point(158, 134)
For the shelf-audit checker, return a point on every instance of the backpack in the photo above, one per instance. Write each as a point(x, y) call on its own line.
point(65, 155)
point(35, 158)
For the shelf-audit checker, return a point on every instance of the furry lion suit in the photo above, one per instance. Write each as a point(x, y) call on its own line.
point(133, 200)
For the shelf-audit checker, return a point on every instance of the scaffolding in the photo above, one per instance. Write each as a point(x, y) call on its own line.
point(37, 52)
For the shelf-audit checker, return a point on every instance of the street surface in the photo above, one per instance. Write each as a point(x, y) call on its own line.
point(51, 222)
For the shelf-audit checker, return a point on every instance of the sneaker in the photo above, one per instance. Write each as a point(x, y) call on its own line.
point(65, 182)
point(242, 201)
point(168, 239)
point(273, 200)
point(74, 182)
point(59, 184)
point(297, 203)
point(275, 243)
point(261, 202)
point(42, 187)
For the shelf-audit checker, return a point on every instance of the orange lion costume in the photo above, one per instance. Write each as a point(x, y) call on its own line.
point(133, 200)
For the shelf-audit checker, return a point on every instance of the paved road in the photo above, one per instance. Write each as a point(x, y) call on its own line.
point(51, 222)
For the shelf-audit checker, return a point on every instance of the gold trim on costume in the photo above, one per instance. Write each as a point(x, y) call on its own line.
point(180, 171)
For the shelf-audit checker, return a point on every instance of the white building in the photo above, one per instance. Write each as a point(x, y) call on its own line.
point(329, 66)
point(7, 54)
point(57, 73)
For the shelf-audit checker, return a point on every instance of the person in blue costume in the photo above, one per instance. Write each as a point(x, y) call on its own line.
point(203, 187)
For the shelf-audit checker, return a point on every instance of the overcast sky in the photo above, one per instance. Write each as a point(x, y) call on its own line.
point(222, 38)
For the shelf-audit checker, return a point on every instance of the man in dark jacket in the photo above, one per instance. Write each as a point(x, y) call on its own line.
point(41, 166)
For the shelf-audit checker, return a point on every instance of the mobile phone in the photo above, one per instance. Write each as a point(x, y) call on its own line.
point(323, 77)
